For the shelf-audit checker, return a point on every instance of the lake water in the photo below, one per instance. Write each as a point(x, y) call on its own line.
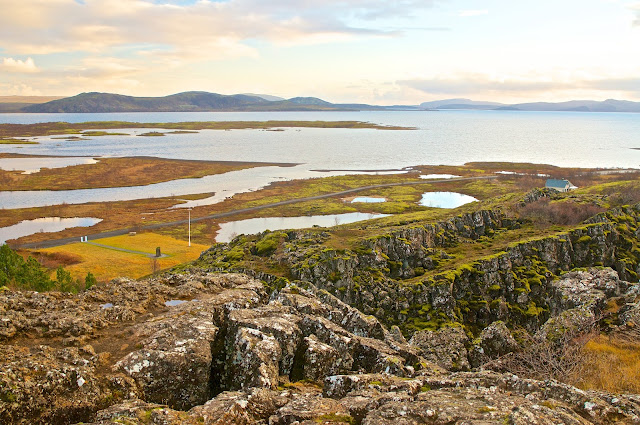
point(368, 200)
point(437, 176)
point(250, 226)
point(443, 137)
point(33, 165)
point(46, 224)
point(445, 199)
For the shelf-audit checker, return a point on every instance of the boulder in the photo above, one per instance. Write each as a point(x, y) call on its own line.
point(173, 365)
point(445, 347)
point(494, 341)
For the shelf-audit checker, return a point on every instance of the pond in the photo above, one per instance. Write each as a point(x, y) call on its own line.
point(173, 303)
point(230, 230)
point(438, 176)
point(445, 199)
point(33, 165)
point(46, 224)
point(368, 199)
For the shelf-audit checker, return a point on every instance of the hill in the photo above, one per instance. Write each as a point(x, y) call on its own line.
point(16, 103)
point(609, 105)
point(188, 102)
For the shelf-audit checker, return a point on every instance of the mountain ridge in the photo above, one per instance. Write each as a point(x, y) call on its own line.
point(201, 101)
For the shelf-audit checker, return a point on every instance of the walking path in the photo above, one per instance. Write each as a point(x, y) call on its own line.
point(64, 241)
point(130, 251)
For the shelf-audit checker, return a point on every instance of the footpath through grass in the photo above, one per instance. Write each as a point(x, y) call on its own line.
point(107, 264)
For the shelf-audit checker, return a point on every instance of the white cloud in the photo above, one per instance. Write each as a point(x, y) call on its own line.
point(467, 13)
point(17, 65)
point(19, 90)
point(474, 85)
point(50, 26)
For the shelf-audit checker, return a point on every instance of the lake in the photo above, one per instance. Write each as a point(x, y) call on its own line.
point(443, 137)
point(45, 224)
point(445, 199)
point(230, 230)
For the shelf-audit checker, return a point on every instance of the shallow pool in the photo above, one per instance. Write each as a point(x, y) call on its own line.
point(445, 199)
point(230, 230)
point(368, 199)
point(46, 224)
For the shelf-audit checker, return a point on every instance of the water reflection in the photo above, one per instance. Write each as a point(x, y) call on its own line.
point(438, 176)
point(33, 165)
point(47, 224)
point(445, 199)
point(368, 199)
point(230, 230)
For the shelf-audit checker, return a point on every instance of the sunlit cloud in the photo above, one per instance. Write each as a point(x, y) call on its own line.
point(49, 26)
point(17, 65)
point(467, 13)
point(483, 85)
point(19, 90)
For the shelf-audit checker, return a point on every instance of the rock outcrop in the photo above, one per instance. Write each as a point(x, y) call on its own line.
point(231, 353)
point(406, 277)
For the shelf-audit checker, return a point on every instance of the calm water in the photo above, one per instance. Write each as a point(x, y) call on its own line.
point(444, 137)
point(33, 165)
point(438, 176)
point(230, 230)
point(46, 224)
point(445, 199)
point(368, 199)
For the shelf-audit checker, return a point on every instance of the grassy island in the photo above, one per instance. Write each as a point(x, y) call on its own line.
point(55, 128)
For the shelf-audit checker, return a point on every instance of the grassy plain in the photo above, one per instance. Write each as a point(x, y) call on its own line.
point(611, 364)
point(107, 264)
point(118, 172)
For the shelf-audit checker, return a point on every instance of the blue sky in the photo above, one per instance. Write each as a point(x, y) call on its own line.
point(371, 51)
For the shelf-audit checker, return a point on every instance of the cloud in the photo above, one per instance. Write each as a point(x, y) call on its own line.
point(50, 26)
point(467, 13)
point(470, 84)
point(17, 65)
point(19, 90)
point(636, 9)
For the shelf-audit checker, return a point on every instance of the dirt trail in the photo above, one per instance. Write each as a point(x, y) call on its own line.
point(64, 241)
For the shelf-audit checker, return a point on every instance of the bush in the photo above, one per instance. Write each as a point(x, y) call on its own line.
point(90, 280)
point(29, 274)
point(543, 212)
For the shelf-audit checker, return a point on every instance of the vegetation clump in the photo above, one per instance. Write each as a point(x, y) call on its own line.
point(29, 274)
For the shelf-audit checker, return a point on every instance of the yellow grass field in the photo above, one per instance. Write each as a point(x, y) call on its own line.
point(107, 264)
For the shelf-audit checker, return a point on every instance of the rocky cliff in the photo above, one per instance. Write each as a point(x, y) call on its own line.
point(221, 349)
point(425, 276)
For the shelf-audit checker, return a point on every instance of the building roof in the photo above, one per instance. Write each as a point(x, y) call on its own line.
point(557, 183)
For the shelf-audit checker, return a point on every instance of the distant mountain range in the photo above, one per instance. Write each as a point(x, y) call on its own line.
point(203, 101)
point(609, 105)
point(189, 102)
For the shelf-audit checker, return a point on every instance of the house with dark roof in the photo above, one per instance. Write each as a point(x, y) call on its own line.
point(561, 185)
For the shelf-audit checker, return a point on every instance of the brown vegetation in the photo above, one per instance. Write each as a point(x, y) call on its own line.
point(118, 172)
point(51, 128)
point(609, 363)
point(544, 212)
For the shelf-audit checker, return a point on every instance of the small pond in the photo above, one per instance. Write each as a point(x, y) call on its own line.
point(368, 199)
point(46, 224)
point(438, 176)
point(445, 199)
point(173, 303)
point(230, 230)
point(33, 165)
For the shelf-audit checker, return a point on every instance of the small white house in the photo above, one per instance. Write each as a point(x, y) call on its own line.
point(561, 185)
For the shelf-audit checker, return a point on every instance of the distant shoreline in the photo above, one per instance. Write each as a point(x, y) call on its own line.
point(57, 128)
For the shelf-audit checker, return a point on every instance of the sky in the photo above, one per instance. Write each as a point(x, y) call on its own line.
point(366, 51)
